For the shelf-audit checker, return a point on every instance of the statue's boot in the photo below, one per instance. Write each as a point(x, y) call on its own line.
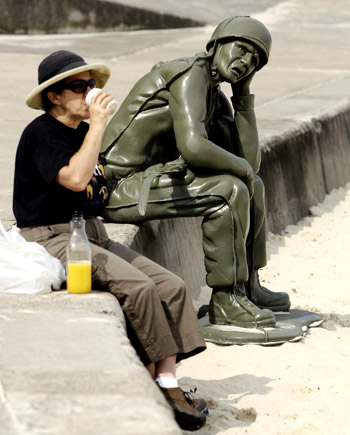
point(264, 298)
point(230, 306)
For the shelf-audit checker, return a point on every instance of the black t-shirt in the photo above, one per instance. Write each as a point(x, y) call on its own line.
point(46, 145)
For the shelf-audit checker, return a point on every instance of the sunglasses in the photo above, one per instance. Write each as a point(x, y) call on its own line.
point(80, 86)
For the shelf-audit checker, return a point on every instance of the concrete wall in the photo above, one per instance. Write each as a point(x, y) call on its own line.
point(300, 167)
point(55, 16)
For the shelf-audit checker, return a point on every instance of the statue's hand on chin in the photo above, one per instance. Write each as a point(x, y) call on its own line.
point(242, 86)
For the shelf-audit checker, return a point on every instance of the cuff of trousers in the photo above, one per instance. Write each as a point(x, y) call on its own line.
point(243, 102)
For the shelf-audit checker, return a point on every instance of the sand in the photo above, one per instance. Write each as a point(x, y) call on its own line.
point(296, 388)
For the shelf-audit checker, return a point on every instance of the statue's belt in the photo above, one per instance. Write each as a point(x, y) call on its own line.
point(178, 166)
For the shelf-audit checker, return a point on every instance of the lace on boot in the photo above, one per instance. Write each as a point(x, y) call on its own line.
point(199, 404)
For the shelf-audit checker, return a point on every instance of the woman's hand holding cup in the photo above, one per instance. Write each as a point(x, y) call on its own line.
point(112, 105)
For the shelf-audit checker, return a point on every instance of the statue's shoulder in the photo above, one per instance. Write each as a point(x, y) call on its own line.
point(171, 70)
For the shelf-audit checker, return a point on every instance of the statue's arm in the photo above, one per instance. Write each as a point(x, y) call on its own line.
point(188, 108)
point(246, 132)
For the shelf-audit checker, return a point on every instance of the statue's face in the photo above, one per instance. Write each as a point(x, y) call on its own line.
point(235, 60)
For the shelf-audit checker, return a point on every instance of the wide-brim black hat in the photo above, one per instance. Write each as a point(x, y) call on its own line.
point(59, 65)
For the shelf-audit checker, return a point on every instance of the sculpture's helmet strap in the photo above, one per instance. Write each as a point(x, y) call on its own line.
point(246, 28)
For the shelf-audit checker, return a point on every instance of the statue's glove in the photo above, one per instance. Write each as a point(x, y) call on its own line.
point(241, 98)
point(249, 179)
point(242, 87)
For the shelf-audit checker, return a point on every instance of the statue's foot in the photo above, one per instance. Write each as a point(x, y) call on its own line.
point(266, 299)
point(230, 306)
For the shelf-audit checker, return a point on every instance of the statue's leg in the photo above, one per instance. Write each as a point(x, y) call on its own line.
point(256, 254)
point(223, 201)
point(224, 239)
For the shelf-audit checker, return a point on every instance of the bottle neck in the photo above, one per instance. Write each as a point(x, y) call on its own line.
point(78, 219)
point(78, 215)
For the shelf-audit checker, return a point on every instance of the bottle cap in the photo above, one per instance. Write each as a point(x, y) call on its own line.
point(77, 215)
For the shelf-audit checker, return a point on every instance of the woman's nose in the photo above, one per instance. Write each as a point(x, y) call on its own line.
point(88, 89)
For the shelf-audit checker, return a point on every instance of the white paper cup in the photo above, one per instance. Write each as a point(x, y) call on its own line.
point(112, 105)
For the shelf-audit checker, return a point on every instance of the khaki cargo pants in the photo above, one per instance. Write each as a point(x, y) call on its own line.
point(160, 317)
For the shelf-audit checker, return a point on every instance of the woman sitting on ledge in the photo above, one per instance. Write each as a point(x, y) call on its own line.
point(57, 172)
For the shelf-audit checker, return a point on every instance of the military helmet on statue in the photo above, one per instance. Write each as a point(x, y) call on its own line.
point(245, 28)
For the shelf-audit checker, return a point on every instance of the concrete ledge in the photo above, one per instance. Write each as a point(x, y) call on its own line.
point(67, 367)
point(52, 16)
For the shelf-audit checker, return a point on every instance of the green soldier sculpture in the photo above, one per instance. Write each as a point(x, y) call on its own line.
point(175, 148)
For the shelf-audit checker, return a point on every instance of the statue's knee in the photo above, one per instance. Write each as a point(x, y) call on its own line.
point(229, 186)
point(240, 194)
point(259, 188)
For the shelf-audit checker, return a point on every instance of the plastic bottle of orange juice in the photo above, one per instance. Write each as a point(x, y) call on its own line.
point(78, 257)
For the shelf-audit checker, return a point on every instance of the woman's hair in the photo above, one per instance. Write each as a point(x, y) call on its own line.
point(57, 89)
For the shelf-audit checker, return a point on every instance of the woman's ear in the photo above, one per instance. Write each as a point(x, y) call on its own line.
point(54, 98)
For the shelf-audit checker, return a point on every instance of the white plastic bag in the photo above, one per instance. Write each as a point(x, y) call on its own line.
point(26, 267)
